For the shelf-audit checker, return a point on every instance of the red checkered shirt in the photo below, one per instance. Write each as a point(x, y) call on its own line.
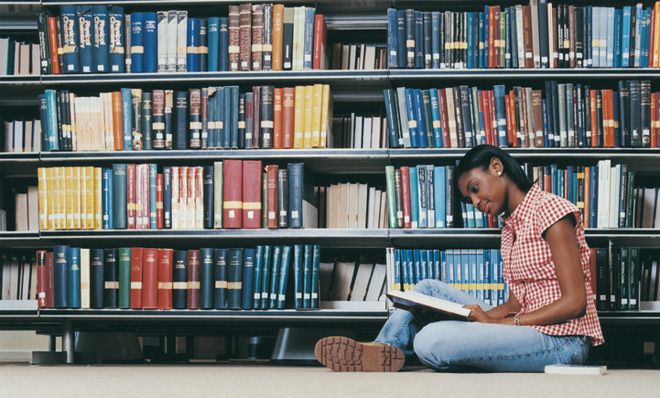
point(528, 268)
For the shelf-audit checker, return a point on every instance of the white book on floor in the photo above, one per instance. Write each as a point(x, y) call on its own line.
point(578, 370)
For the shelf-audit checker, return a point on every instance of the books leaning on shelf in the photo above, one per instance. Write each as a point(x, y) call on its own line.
point(559, 115)
point(358, 56)
point(353, 131)
point(22, 136)
point(228, 194)
point(352, 205)
point(207, 118)
point(261, 278)
point(18, 276)
point(18, 58)
point(417, 302)
point(346, 280)
point(26, 210)
point(538, 35)
point(102, 38)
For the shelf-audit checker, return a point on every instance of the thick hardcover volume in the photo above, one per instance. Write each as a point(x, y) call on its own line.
point(256, 116)
point(287, 39)
point(405, 193)
point(158, 119)
point(111, 279)
point(247, 301)
point(150, 278)
point(251, 193)
point(73, 274)
point(42, 279)
point(192, 43)
point(127, 117)
point(128, 28)
point(131, 202)
point(96, 273)
point(150, 42)
point(220, 278)
point(282, 198)
point(274, 277)
point(296, 178)
point(172, 41)
point(258, 270)
point(315, 288)
point(257, 36)
point(308, 41)
point(271, 196)
point(136, 125)
point(206, 279)
point(181, 40)
point(217, 195)
point(233, 193)
point(278, 137)
point(203, 48)
point(167, 197)
point(278, 36)
point(86, 29)
point(223, 45)
point(163, 40)
point(234, 25)
point(180, 280)
point(208, 197)
point(147, 132)
point(136, 277)
point(124, 271)
point(234, 278)
point(267, 47)
point(119, 195)
point(195, 126)
point(307, 276)
point(213, 43)
point(245, 38)
point(165, 257)
point(137, 42)
point(265, 281)
point(101, 32)
point(318, 54)
point(298, 251)
point(288, 116)
point(60, 276)
point(69, 49)
point(53, 45)
point(193, 280)
point(181, 119)
point(267, 122)
point(50, 281)
point(283, 277)
point(117, 133)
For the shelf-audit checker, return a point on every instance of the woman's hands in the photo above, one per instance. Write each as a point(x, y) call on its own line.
point(479, 315)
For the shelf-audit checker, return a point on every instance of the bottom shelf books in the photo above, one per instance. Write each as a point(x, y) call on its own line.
point(265, 277)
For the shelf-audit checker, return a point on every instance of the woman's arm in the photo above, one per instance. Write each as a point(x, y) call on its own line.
point(511, 306)
point(573, 302)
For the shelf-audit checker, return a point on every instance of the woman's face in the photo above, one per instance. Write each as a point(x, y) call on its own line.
point(486, 189)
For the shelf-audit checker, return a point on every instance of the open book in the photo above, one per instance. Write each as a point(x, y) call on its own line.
point(426, 305)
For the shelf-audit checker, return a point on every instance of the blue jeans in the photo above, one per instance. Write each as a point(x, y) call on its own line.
point(453, 345)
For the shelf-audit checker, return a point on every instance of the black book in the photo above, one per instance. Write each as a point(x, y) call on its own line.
point(60, 121)
point(268, 35)
point(203, 45)
point(208, 197)
point(256, 117)
point(287, 39)
point(579, 36)
point(428, 120)
point(234, 278)
point(96, 276)
point(248, 135)
point(466, 116)
point(635, 113)
point(428, 53)
point(206, 279)
point(624, 115)
point(282, 198)
point(169, 129)
point(220, 276)
point(645, 100)
point(602, 283)
point(181, 119)
point(549, 105)
point(180, 280)
point(410, 38)
point(241, 121)
point(44, 45)
point(111, 278)
point(247, 301)
point(147, 138)
point(267, 112)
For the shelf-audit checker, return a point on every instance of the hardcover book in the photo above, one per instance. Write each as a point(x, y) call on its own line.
point(428, 306)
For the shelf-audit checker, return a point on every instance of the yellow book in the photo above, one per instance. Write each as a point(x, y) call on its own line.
point(299, 119)
point(326, 117)
point(89, 197)
point(78, 219)
point(309, 96)
point(98, 198)
point(317, 99)
point(61, 197)
point(51, 198)
point(69, 184)
point(43, 207)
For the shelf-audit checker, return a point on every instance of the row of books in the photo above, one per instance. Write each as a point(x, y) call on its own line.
point(352, 280)
point(26, 210)
point(538, 35)
point(352, 205)
point(213, 117)
point(22, 136)
point(228, 194)
point(478, 272)
point(102, 38)
point(356, 131)
point(18, 276)
point(358, 56)
point(561, 115)
point(18, 58)
point(265, 277)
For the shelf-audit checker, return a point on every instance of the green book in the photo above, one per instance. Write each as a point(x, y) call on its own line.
point(391, 196)
point(124, 277)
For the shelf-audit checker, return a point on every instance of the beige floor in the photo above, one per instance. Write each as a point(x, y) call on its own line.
point(242, 381)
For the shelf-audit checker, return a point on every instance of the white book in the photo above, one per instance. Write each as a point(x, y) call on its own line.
point(362, 277)
point(33, 208)
point(403, 116)
point(181, 40)
point(18, 136)
point(366, 132)
point(552, 52)
point(595, 48)
point(369, 57)
point(615, 191)
point(13, 280)
point(377, 283)
point(35, 62)
point(342, 278)
point(357, 132)
point(84, 279)
point(36, 136)
point(417, 302)
point(4, 49)
point(172, 40)
point(520, 37)
point(26, 272)
point(163, 40)
point(603, 193)
point(21, 212)
point(376, 131)
point(656, 221)
point(535, 33)
point(371, 207)
point(351, 201)
point(217, 194)
point(9, 136)
point(28, 135)
point(430, 197)
point(352, 54)
point(578, 370)
point(298, 37)
point(362, 205)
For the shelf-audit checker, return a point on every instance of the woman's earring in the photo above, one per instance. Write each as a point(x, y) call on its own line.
point(499, 173)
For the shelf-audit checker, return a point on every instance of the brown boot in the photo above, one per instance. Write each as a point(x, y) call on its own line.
point(343, 354)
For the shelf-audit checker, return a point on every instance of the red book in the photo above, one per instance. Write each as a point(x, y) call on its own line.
point(278, 136)
point(490, 100)
point(271, 196)
point(252, 193)
point(483, 103)
point(54, 45)
point(256, 116)
point(150, 278)
point(130, 200)
point(190, 197)
point(160, 215)
point(654, 125)
point(288, 115)
point(193, 280)
point(510, 120)
point(245, 36)
point(594, 118)
point(405, 195)
point(183, 196)
point(232, 171)
point(318, 51)
point(491, 36)
point(442, 104)
point(165, 257)
point(50, 281)
point(42, 281)
point(608, 118)
point(656, 118)
point(136, 277)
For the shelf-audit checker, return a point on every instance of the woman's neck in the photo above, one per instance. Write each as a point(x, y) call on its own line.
point(514, 197)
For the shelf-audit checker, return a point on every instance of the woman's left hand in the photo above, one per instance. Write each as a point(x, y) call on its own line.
point(479, 315)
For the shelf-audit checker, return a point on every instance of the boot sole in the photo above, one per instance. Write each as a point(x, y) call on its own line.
point(343, 354)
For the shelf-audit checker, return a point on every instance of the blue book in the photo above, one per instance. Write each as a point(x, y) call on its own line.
point(137, 42)
point(101, 34)
point(426, 39)
point(284, 277)
point(73, 260)
point(106, 198)
point(153, 172)
point(471, 46)
point(417, 267)
point(512, 39)
point(638, 32)
point(275, 276)
point(481, 37)
point(298, 274)
point(479, 265)
point(223, 51)
point(396, 277)
point(150, 42)
point(413, 122)
point(265, 279)
point(296, 178)
point(424, 265)
point(392, 45)
point(544, 112)
point(117, 40)
point(414, 193)
point(401, 38)
point(435, 117)
point(405, 283)
point(61, 276)
point(69, 36)
point(419, 39)
point(213, 43)
point(391, 115)
point(119, 195)
point(466, 271)
point(309, 37)
point(127, 118)
point(248, 279)
point(500, 114)
point(307, 276)
point(422, 197)
point(485, 264)
point(316, 263)
point(86, 40)
point(258, 274)
point(220, 278)
point(206, 278)
point(410, 266)
point(203, 48)
point(609, 55)
point(235, 260)
point(167, 197)
point(435, 39)
point(219, 139)
point(192, 58)
point(625, 36)
point(458, 269)
point(435, 260)
point(617, 38)
point(484, 51)
point(420, 109)
point(440, 191)
point(51, 121)
point(227, 121)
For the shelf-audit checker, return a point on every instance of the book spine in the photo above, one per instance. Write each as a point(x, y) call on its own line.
point(257, 39)
point(248, 278)
point(295, 180)
point(203, 48)
point(136, 268)
point(195, 124)
point(101, 46)
point(192, 45)
point(245, 36)
point(234, 278)
point(233, 195)
point(69, 30)
point(193, 297)
point(251, 192)
point(180, 139)
point(124, 271)
point(208, 197)
point(53, 40)
point(223, 46)
point(137, 42)
point(111, 279)
point(206, 279)
point(213, 44)
point(180, 280)
point(220, 278)
point(150, 278)
point(181, 41)
point(267, 123)
point(86, 30)
point(165, 257)
point(150, 37)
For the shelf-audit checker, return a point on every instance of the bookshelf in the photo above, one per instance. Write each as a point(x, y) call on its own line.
point(351, 88)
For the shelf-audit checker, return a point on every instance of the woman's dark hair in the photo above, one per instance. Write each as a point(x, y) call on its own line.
point(480, 156)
